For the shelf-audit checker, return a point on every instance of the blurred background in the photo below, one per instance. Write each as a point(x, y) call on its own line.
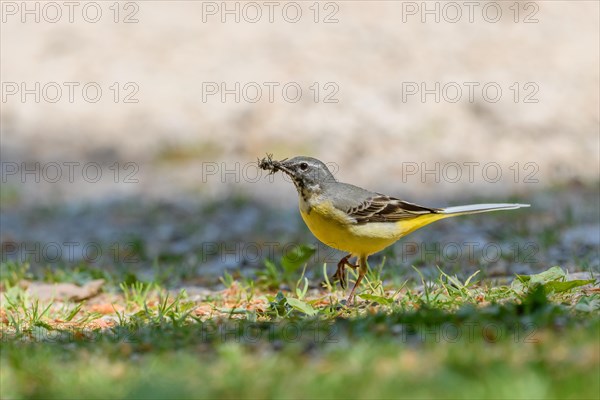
point(130, 131)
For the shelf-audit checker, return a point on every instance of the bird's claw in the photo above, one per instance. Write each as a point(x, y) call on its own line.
point(341, 269)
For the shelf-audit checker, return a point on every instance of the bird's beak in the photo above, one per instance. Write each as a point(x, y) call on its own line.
point(283, 166)
point(274, 166)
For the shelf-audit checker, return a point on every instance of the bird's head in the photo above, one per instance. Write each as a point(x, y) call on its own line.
point(307, 173)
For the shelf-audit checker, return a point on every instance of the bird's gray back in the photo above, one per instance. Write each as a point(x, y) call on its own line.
point(345, 196)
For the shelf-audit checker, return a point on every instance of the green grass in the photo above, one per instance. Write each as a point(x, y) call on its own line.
point(447, 337)
point(366, 367)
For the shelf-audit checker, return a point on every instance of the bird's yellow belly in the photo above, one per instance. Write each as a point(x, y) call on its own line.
point(335, 229)
point(332, 227)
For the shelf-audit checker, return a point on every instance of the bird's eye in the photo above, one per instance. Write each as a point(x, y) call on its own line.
point(303, 166)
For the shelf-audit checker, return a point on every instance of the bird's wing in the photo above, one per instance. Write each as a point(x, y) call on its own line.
point(364, 206)
point(382, 208)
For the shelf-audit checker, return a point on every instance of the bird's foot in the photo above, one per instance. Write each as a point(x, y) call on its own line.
point(341, 269)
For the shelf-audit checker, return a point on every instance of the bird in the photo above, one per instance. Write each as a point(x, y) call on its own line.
point(354, 220)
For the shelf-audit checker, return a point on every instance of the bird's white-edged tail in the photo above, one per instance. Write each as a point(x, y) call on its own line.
point(480, 208)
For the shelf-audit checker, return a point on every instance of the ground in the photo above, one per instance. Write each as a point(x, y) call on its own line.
point(429, 325)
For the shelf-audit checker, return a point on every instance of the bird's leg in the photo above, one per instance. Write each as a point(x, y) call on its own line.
point(340, 272)
point(362, 271)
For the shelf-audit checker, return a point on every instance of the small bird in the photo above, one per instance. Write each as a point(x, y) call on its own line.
point(355, 220)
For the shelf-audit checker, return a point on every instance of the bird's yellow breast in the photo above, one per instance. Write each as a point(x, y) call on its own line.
point(336, 229)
